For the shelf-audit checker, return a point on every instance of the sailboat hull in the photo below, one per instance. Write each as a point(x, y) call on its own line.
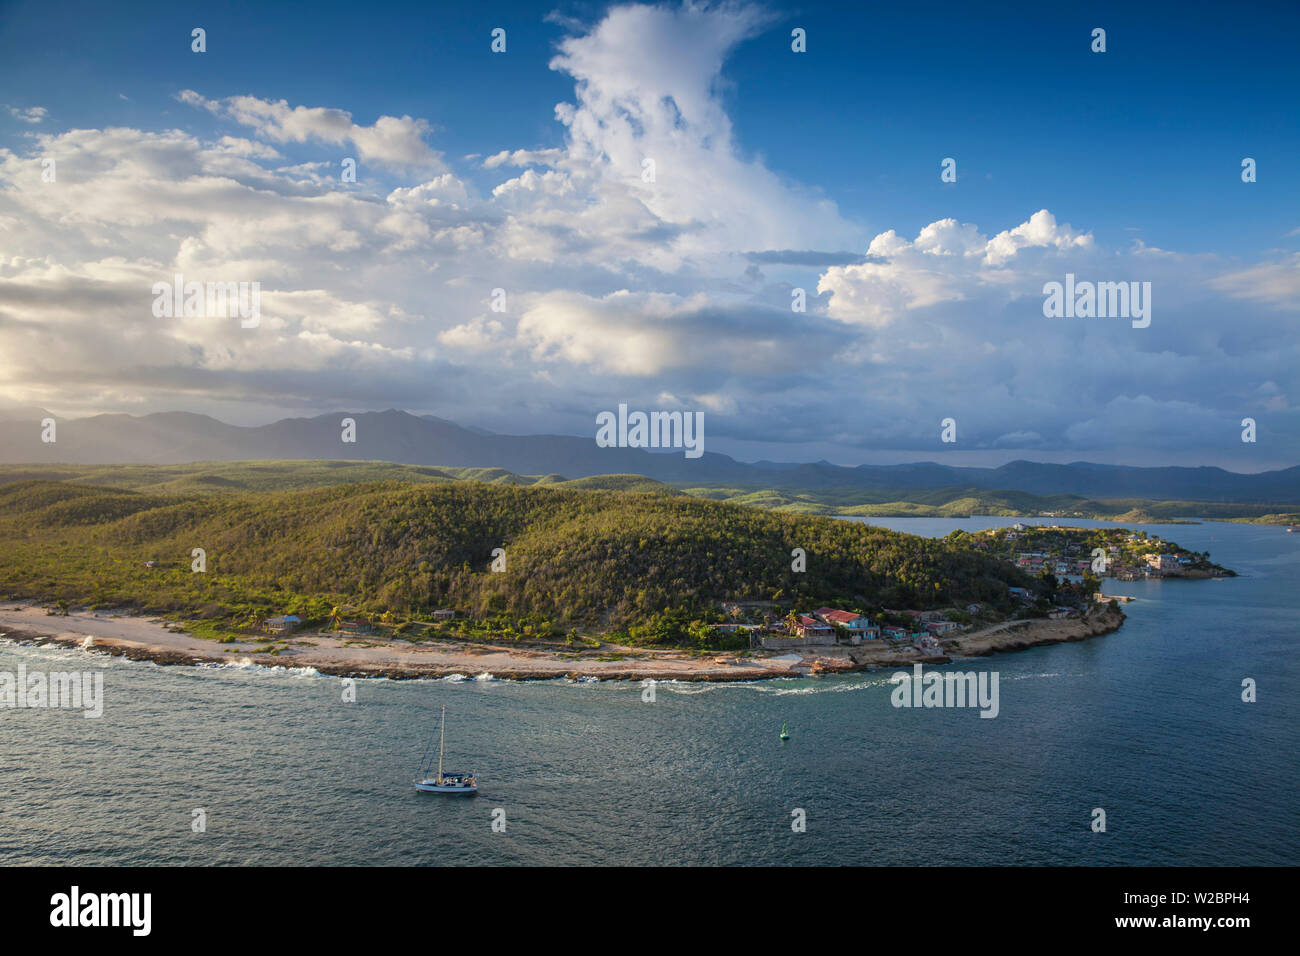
point(430, 786)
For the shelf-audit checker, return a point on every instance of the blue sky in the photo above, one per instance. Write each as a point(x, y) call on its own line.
point(1145, 140)
point(655, 295)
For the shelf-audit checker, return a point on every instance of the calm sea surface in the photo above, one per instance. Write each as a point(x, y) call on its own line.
point(1147, 723)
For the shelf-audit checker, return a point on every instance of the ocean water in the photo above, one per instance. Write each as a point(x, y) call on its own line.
point(1147, 724)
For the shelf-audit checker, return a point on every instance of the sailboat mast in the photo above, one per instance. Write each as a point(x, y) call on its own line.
point(442, 739)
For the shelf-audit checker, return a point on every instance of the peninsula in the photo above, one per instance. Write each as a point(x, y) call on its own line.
point(616, 578)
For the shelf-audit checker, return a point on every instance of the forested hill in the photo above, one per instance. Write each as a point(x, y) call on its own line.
point(597, 558)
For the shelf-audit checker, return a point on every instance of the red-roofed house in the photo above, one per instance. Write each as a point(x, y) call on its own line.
point(857, 625)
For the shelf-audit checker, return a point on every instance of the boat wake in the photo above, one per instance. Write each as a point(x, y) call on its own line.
point(839, 687)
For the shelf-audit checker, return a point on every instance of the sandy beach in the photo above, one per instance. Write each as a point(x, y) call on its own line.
point(161, 641)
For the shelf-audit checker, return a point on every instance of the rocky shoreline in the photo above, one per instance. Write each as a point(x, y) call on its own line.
point(1021, 635)
point(142, 639)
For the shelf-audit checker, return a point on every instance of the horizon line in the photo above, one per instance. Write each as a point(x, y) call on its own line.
point(478, 431)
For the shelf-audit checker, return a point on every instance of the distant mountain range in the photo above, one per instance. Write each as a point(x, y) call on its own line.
point(395, 436)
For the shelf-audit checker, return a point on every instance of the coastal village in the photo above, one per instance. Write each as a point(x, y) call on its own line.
point(1069, 561)
point(1101, 552)
point(827, 626)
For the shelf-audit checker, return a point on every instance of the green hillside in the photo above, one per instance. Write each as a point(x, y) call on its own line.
point(637, 483)
point(202, 478)
point(575, 557)
point(233, 476)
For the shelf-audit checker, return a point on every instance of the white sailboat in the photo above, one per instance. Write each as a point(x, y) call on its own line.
point(462, 783)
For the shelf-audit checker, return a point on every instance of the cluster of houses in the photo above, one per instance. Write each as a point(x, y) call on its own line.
point(829, 626)
point(1036, 562)
point(1156, 565)
point(927, 628)
point(1121, 563)
point(822, 623)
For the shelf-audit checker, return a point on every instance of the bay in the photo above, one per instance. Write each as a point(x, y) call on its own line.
point(1147, 724)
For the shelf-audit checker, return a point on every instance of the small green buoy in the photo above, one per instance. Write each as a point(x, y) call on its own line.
point(785, 734)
